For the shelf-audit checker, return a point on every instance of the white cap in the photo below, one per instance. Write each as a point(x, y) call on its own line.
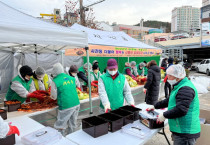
point(177, 71)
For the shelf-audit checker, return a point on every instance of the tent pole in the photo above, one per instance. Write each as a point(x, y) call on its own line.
point(128, 59)
point(62, 58)
point(89, 85)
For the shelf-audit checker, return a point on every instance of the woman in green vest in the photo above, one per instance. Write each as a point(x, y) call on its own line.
point(140, 69)
point(113, 89)
point(20, 88)
point(64, 90)
point(183, 108)
point(95, 74)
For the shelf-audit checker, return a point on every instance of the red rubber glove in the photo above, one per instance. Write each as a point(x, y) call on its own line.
point(162, 68)
point(79, 89)
point(49, 90)
point(36, 95)
point(94, 83)
point(41, 92)
point(165, 79)
point(107, 110)
point(133, 105)
point(13, 130)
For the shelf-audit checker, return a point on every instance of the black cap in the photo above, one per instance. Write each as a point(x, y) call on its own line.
point(26, 70)
point(95, 66)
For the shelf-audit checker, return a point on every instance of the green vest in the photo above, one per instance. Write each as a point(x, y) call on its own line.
point(114, 90)
point(145, 71)
point(95, 78)
point(12, 95)
point(124, 70)
point(82, 70)
point(67, 96)
point(139, 70)
point(190, 123)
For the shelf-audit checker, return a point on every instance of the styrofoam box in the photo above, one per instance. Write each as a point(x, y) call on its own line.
point(45, 136)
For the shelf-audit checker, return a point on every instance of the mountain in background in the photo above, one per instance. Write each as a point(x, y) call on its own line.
point(157, 24)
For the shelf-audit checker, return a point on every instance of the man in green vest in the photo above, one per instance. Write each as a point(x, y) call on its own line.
point(113, 89)
point(183, 108)
point(41, 80)
point(64, 90)
point(95, 74)
point(21, 88)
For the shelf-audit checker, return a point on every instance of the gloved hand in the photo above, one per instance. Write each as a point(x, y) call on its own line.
point(107, 108)
point(13, 130)
point(94, 83)
point(36, 95)
point(79, 89)
point(41, 92)
point(49, 90)
point(165, 79)
point(132, 104)
point(162, 68)
point(151, 108)
point(145, 91)
point(160, 118)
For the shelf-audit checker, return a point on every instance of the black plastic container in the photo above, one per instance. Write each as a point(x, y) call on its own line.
point(3, 114)
point(151, 123)
point(12, 107)
point(133, 110)
point(115, 121)
point(95, 126)
point(128, 117)
point(9, 140)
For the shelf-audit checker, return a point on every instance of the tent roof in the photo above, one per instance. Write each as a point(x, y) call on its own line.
point(105, 38)
point(19, 28)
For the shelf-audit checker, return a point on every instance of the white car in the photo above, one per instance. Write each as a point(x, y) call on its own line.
point(204, 66)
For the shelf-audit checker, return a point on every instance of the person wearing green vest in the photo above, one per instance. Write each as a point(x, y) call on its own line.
point(73, 73)
point(113, 89)
point(140, 69)
point(83, 73)
point(41, 80)
point(95, 74)
point(128, 71)
point(183, 108)
point(21, 86)
point(134, 68)
point(64, 90)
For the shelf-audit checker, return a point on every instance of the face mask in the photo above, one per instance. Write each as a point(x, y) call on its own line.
point(40, 78)
point(95, 71)
point(74, 74)
point(27, 79)
point(140, 67)
point(112, 73)
point(172, 82)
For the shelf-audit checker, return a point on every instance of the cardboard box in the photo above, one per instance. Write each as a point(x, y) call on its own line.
point(205, 128)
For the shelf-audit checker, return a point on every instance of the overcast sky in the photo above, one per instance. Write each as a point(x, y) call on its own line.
point(120, 11)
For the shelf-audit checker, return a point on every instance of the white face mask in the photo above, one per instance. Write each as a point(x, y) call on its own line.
point(27, 78)
point(74, 74)
point(172, 82)
point(112, 73)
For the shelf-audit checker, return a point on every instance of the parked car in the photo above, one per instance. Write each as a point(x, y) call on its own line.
point(195, 64)
point(204, 66)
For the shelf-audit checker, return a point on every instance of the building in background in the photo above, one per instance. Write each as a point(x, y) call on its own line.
point(205, 3)
point(133, 31)
point(185, 18)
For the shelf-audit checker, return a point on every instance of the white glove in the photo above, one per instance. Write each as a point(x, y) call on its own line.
point(160, 118)
point(107, 108)
point(151, 108)
point(132, 104)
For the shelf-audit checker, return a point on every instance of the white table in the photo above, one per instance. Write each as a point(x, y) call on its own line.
point(27, 125)
point(116, 138)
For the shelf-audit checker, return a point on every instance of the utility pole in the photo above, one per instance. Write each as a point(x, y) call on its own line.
point(67, 16)
point(82, 13)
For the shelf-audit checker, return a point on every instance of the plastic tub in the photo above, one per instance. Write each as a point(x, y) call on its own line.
point(12, 107)
point(115, 122)
point(9, 140)
point(3, 114)
point(45, 136)
point(133, 110)
point(128, 117)
point(95, 126)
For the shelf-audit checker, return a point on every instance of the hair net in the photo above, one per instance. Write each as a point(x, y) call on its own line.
point(133, 63)
point(40, 71)
point(142, 64)
point(177, 71)
point(57, 69)
point(86, 66)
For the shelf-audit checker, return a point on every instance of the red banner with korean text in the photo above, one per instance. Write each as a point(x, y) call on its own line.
point(110, 51)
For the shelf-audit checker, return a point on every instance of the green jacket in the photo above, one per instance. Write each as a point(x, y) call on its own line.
point(67, 96)
point(190, 123)
point(140, 71)
point(12, 95)
point(124, 70)
point(114, 90)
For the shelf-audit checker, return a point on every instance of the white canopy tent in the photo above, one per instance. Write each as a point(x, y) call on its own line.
point(23, 33)
point(106, 38)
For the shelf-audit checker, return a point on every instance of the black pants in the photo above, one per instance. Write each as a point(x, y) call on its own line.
point(178, 140)
point(167, 89)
